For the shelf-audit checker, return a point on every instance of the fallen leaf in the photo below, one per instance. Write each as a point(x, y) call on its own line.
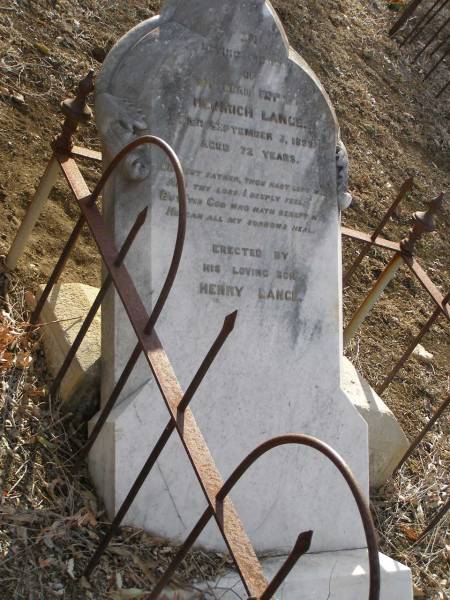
point(23, 360)
point(30, 299)
point(410, 533)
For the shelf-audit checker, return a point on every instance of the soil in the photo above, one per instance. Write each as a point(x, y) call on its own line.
point(391, 122)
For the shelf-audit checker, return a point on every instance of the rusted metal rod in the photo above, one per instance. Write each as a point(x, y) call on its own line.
point(442, 90)
point(135, 488)
point(170, 278)
point(107, 409)
point(404, 190)
point(301, 547)
point(372, 297)
point(59, 267)
point(190, 435)
point(417, 29)
point(181, 553)
point(437, 415)
point(406, 14)
point(96, 304)
point(423, 222)
point(87, 153)
point(438, 47)
point(75, 111)
point(431, 40)
point(406, 187)
point(428, 285)
point(339, 463)
point(419, 22)
point(182, 216)
point(222, 499)
point(118, 388)
point(424, 330)
point(227, 328)
point(361, 236)
point(433, 69)
point(32, 215)
point(437, 519)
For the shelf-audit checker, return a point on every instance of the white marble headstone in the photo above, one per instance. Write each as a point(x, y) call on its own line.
point(257, 136)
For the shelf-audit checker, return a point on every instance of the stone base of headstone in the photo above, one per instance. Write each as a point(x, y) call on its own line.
point(339, 575)
point(62, 316)
point(114, 462)
point(387, 441)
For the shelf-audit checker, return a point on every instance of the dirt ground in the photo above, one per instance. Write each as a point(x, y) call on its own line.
point(390, 121)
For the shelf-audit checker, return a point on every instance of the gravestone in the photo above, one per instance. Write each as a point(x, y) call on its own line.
point(257, 137)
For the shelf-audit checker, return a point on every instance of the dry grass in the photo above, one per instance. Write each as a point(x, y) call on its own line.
point(405, 507)
point(50, 518)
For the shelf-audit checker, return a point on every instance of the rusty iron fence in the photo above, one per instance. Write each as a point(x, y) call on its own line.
point(181, 419)
point(427, 24)
point(180, 416)
point(403, 253)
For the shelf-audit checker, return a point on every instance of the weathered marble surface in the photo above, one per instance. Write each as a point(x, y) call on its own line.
point(257, 137)
point(387, 441)
point(340, 575)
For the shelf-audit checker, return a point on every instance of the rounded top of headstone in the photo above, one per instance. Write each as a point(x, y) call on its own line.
point(210, 18)
point(199, 10)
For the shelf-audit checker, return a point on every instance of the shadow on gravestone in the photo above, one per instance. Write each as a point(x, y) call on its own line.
point(257, 136)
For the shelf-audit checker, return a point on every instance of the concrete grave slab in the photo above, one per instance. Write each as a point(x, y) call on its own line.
point(326, 576)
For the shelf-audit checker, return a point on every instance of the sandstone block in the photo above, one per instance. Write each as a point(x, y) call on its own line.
point(62, 316)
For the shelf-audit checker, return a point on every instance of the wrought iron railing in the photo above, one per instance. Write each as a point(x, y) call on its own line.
point(426, 23)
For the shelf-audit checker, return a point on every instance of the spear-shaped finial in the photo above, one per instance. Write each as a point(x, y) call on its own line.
point(76, 108)
point(76, 111)
point(424, 222)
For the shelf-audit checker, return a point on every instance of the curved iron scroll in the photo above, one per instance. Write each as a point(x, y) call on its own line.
point(339, 463)
point(182, 203)
point(303, 440)
point(170, 278)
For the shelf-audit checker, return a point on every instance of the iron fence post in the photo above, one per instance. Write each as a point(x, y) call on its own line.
point(436, 520)
point(32, 215)
point(424, 330)
point(406, 187)
point(423, 222)
point(437, 415)
point(76, 111)
point(372, 298)
point(406, 14)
